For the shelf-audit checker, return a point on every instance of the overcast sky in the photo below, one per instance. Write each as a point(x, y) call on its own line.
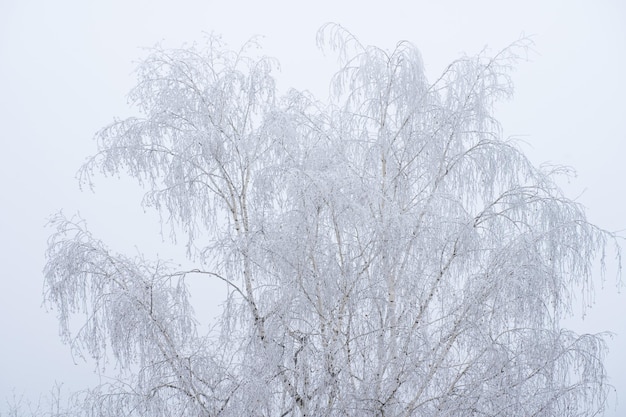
point(66, 66)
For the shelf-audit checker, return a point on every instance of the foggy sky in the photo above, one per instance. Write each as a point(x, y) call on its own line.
point(66, 67)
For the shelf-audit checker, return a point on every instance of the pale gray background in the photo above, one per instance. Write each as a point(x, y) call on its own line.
point(66, 66)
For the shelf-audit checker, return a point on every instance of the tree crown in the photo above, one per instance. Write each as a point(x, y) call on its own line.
point(385, 253)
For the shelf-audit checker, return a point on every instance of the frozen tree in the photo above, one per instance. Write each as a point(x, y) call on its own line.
point(386, 253)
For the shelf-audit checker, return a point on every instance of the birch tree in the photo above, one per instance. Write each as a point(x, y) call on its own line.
point(385, 253)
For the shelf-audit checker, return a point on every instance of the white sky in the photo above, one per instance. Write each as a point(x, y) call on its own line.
point(66, 66)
